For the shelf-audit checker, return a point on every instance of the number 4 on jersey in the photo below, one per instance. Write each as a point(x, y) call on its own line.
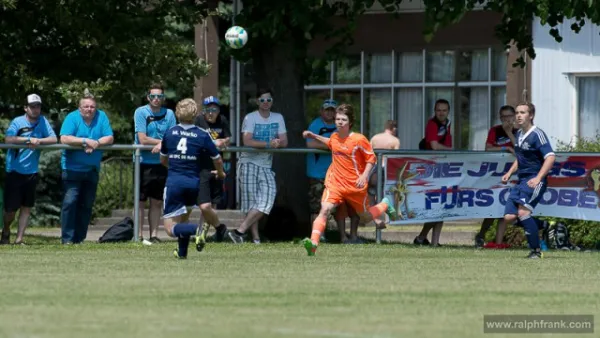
point(182, 145)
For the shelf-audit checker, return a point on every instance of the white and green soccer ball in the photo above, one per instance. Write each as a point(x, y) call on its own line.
point(236, 37)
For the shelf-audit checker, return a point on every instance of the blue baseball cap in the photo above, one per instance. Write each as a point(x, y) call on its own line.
point(329, 103)
point(211, 100)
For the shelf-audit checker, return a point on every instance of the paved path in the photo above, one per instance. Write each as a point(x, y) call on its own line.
point(394, 235)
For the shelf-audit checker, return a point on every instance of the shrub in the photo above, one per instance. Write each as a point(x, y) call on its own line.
point(49, 194)
point(115, 188)
point(3, 127)
point(583, 233)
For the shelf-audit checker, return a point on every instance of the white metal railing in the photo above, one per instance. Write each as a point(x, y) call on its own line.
point(138, 148)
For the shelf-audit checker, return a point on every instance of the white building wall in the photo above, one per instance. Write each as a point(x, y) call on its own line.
point(554, 76)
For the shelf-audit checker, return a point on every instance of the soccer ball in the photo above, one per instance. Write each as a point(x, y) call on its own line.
point(236, 37)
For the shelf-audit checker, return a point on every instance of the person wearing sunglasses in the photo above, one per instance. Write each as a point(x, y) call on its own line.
point(211, 191)
point(151, 123)
point(262, 129)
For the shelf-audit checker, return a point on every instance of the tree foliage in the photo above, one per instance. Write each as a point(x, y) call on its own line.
point(113, 48)
point(58, 48)
point(516, 18)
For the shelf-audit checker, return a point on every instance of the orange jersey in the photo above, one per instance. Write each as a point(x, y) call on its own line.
point(349, 160)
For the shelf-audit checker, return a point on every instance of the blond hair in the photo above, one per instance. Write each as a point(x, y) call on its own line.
point(186, 111)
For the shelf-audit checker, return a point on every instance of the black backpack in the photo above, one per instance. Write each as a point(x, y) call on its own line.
point(560, 236)
point(120, 232)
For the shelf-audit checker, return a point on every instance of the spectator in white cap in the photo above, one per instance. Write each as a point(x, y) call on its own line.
point(32, 129)
point(261, 129)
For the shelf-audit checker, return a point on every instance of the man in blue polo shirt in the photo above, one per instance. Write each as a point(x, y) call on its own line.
point(151, 123)
point(32, 129)
point(317, 164)
point(86, 128)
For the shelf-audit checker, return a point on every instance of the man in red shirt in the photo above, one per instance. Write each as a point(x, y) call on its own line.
point(437, 137)
point(500, 138)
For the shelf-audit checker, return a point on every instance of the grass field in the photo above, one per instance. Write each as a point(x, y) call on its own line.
point(275, 290)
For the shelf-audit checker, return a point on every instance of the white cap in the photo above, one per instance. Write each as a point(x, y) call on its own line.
point(34, 98)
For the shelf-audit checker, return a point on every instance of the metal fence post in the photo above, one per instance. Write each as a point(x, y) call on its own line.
point(136, 196)
point(379, 190)
point(121, 166)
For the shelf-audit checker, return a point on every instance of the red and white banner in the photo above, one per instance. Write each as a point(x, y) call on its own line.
point(464, 186)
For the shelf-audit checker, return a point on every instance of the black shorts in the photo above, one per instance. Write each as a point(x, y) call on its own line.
point(152, 181)
point(211, 188)
point(372, 183)
point(19, 191)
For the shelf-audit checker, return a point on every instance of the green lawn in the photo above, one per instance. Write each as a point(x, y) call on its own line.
point(275, 290)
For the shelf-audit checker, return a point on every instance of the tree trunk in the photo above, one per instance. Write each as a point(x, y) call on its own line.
point(278, 69)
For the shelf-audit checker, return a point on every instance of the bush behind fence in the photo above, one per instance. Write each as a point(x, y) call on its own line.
point(115, 191)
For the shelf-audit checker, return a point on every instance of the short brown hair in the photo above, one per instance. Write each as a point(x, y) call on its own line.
point(530, 107)
point(156, 85)
point(348, 110)
point(391, 124)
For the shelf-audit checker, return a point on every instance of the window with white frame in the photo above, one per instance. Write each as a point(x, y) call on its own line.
point(588, 105)
point(404, 86)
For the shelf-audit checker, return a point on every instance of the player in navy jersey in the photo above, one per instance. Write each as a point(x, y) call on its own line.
point(535, 158)
point(182, 150)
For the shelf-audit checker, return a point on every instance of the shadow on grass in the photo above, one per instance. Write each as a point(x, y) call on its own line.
point(333, 237)
point(36, 239)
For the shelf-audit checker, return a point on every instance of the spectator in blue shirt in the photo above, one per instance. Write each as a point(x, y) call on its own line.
point(86, 128)
point(151, 123)
point(31, 129)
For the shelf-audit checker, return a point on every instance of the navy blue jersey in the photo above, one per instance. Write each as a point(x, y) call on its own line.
point(186, 146)
point(532, 149)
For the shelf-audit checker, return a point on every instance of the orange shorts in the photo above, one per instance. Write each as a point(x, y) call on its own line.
point(358, 201)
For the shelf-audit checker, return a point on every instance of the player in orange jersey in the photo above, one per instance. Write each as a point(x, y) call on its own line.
point(347, 177)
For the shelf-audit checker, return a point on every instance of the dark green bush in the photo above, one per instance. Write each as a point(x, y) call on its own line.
point(49, 194)
point(514, 235)
point(4, 122)
point(583, 233)
point(115, 188)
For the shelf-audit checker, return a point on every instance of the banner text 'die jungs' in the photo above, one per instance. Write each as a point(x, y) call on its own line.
point(464, 186)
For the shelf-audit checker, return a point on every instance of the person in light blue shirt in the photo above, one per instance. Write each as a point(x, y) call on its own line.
point(86, 128)
point(32, 129)
point(151, 124)
point(317, 164)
